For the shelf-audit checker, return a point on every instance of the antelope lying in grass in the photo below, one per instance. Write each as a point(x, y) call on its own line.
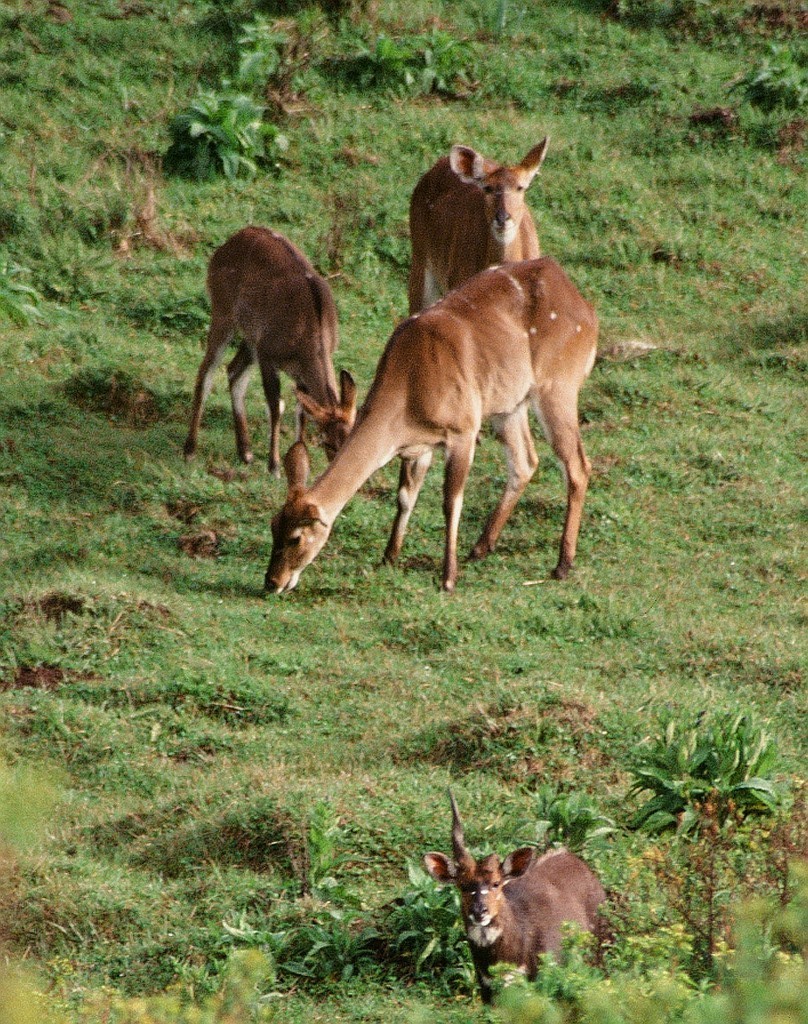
point(510, 337)
point(468, 213)
point(513, 910)
point(264, 288)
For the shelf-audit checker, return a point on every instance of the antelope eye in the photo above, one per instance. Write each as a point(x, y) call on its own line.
point(488, 189)
point(295, 541)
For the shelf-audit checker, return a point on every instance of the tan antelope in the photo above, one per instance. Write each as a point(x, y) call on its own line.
point(510, 337)
point(262, 287)
point(468, 213)
point(513, 910)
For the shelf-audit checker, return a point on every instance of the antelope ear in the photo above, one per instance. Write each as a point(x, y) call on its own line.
point(467, 164)
point(296, 463)
point(347, 387)
point(517, 863)
point(317, 412)
point(440, 867)
point(535, 158)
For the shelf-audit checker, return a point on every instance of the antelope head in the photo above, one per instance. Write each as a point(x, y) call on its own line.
point(482, 883)
point(334, 423)
point(299, 530)
point(503, 187)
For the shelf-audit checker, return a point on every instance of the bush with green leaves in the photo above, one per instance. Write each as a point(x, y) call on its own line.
point(436, 63)
point(225, 133)
point(261, 47)
point(571, 819)
point(765, 981)
point(727, 763)
point(779, 83)
point(425, 935)
point(19, 302)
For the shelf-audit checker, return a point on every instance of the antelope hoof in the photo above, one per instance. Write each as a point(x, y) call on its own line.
point(189, 450)
point(561, 571)
point(480, 550)
point(449, 586)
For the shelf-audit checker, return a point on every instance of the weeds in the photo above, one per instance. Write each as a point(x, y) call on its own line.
point(779, 83)
point(222, 132)
point(569, 819)
point(19, 302)
point(725, 764)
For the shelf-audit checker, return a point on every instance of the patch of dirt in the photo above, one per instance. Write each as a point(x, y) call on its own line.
point(791, 140)
point(790, 16)
point(56, 605)
point(204, 544)
point(185, 511)
point(116, 395)
point(58, 12)
point(228, 474)
point(41, 677)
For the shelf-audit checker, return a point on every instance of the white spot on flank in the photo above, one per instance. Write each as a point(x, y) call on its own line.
point(578, 328)
point(532, 330)
point(553, 315)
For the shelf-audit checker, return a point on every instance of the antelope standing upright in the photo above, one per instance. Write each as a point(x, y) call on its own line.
point(263, 287)
point(468, 213)
point(513, 910)
point(510, 337)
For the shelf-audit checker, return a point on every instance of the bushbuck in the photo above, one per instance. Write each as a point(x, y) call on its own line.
point(510, 337)
point(262, 287)
point(468, 213)
point(513, 910)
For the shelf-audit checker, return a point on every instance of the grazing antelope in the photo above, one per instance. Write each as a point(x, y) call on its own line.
point(468, 213)
point(264, 288)
point(510, 337)
point(513, 910)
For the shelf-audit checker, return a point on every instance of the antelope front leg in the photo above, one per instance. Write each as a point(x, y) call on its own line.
point(238, 376)
point(410, 480)
point(514, 433)
point(458, 463)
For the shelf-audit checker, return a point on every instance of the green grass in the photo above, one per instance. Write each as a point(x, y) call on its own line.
point(194, 724)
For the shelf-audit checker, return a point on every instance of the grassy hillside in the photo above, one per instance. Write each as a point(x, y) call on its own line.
point(236, 770)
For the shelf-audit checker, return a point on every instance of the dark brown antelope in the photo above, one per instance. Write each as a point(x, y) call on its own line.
point(262, 287)
point(468, 213)
point(513, 910)
point(510, 337)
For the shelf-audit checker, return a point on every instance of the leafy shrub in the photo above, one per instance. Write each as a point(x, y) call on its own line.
point(322, 859)
point(763, 983)
point(334, 947)
point(425, 936)
point(261, 48)
point(725, 763)
point(781, 82)
point(19, 302)
point(571, 819)
point(222, 133)
point(437, 63)
point(689, 17)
